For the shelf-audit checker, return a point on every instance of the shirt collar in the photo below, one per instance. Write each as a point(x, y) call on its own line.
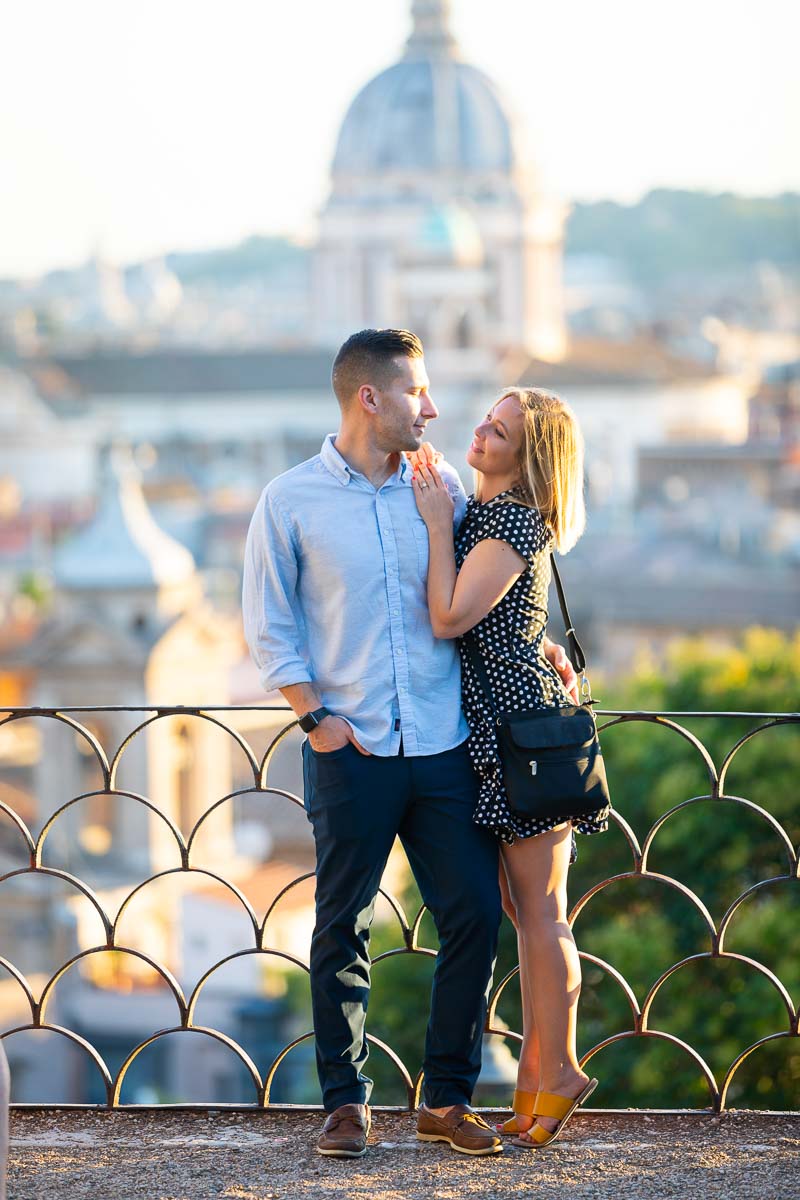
point(332, 459)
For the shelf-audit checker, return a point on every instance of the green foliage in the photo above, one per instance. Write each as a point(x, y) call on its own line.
point(669, 233)
point(716, 847)
point(254, 257)
point(35, 587)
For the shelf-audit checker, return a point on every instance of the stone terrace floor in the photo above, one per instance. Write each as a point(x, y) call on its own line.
point(177, 1155)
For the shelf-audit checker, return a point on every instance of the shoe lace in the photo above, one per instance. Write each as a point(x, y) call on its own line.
point(476, 1120)
point(345, 1119)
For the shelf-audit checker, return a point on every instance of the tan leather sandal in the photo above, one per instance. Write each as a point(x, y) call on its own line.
point(523, 1105)
point(559, 1108)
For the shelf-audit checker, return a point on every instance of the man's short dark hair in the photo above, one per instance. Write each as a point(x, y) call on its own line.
point(369, 357)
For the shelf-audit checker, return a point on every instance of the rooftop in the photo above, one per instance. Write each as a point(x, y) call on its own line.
point(118, 373)
point(167, 1155)
point(593, 361)
point(123, 546)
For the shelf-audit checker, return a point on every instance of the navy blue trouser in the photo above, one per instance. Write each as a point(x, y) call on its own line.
point(357, 806)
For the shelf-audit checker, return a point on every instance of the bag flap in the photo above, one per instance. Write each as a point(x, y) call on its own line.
point(570, 727)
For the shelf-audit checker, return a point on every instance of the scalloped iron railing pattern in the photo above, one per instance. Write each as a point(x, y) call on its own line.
point(410, 930)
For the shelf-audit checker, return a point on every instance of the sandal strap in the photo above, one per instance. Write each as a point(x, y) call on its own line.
point(524, 1103)
point(538, 1135)
point(548, 1104)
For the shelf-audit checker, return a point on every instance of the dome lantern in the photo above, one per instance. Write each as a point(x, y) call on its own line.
point(430, 35)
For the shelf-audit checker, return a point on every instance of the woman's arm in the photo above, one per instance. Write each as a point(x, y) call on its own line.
point(488, 571)
point(457, 602)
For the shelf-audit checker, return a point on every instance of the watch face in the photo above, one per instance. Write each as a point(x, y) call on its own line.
point(310, 720)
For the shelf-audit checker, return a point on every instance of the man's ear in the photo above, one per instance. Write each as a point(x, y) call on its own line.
point(367, 397)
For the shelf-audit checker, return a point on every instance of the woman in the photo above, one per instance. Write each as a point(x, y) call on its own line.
point(528, 458)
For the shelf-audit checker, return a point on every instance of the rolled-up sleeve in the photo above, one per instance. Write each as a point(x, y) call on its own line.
point(271, 627)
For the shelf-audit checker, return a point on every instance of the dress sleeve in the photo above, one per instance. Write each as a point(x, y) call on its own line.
point(523, 528)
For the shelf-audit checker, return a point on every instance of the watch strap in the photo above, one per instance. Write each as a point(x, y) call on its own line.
point(311, 720)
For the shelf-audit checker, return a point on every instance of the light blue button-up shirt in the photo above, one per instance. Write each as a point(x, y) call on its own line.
point(335, 595)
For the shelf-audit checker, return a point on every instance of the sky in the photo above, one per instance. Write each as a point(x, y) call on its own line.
point(133, 127)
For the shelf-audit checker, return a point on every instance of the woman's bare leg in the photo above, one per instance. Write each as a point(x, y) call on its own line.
point(536, 870)
point(528, 1066)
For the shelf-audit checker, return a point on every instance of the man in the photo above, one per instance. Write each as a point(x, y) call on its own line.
point(336, 617)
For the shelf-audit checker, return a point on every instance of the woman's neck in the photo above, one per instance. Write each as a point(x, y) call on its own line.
point(489, 486)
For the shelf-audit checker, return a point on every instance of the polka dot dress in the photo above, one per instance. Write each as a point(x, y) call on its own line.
point(510, 641)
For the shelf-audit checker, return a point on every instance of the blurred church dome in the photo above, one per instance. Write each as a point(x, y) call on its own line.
point(429, 112)
point(124, 551)
point(449, 234)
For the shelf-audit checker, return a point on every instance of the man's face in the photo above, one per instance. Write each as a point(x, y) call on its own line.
point(404, 407)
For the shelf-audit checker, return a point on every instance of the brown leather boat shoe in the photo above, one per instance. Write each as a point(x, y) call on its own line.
point(461, 1128)
point(345, 1133)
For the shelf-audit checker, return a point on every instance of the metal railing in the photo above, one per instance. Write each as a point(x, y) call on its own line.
point(108, 762)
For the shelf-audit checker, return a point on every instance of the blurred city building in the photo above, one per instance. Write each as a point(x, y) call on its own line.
point(215, 365)
point(712, 544)
point(130, 626)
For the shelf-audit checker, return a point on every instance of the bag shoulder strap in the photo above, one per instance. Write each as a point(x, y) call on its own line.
point(575, 648)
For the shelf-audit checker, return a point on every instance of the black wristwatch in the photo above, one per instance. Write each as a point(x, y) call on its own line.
point(311, 720)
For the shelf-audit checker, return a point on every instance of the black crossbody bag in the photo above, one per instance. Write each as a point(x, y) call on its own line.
point(552, 762)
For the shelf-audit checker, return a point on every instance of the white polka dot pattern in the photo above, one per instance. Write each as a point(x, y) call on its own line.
point(509, 638)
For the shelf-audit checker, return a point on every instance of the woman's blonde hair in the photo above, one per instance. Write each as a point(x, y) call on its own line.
point(551, 463)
